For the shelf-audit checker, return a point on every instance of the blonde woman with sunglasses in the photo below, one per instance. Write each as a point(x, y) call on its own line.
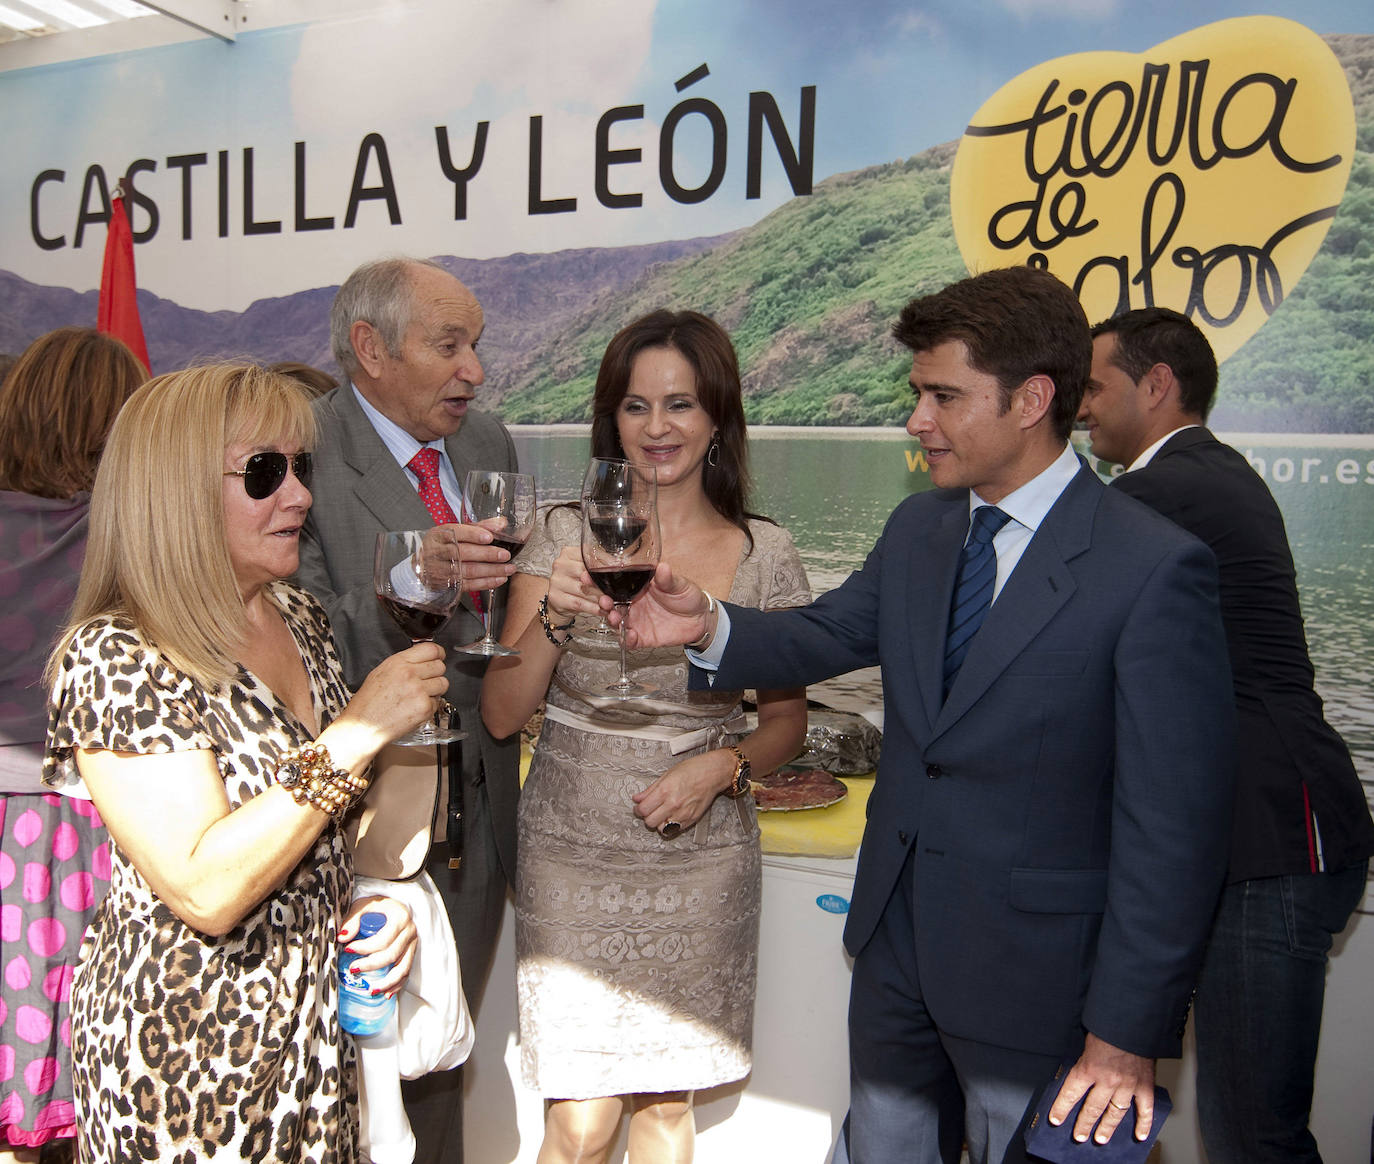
point(196, 697)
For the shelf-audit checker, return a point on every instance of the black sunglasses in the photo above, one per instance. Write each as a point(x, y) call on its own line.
point(263, 473)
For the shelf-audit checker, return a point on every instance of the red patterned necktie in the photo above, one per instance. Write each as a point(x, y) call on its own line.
point(425, 465)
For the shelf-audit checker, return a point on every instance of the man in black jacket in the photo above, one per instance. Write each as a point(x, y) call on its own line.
point(1302, 830)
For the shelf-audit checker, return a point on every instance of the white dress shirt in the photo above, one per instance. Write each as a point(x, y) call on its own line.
point(1149, 454)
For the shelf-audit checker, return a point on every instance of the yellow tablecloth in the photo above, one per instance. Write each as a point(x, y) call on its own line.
point(834, 831)
point(813, 832)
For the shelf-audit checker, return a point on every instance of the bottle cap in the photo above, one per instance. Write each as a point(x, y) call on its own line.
point(370, 923)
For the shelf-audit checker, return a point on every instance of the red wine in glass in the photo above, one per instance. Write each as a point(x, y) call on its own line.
point(505, 504)
point(622, 583)
point(419, 583)
point(510, 545)
point(606, 479)
point(421, 623)
point(620, 549)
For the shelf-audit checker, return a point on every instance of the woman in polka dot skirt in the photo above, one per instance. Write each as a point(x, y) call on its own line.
point(56, 407)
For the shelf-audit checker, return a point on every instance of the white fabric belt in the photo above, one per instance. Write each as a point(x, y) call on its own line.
point(677, 741)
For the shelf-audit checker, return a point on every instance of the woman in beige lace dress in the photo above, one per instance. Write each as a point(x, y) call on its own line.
point(637, 951)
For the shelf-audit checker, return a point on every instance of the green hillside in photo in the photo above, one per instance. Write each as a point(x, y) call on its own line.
point(810, 292)
point(808, 295)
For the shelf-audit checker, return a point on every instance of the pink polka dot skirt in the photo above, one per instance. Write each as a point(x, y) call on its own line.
point(54, 869)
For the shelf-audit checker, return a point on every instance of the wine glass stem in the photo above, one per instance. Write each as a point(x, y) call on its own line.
point(624, 610)
point(488, 597)
point(427, 728)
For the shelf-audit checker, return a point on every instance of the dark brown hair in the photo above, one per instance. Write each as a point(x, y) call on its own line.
point(706, 346)
point(56, 408)
point(314, 380)
point(1016, 322)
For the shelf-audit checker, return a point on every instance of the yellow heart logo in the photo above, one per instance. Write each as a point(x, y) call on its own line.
point(1201, 175)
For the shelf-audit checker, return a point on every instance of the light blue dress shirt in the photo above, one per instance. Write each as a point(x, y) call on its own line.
point(1026, 506)
point(401, 445)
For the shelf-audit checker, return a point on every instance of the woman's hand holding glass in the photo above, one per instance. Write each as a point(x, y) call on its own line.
point(571, 592)
point(418, 577)
point(400, 694)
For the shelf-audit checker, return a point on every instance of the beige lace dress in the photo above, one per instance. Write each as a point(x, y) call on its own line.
point(636, 955)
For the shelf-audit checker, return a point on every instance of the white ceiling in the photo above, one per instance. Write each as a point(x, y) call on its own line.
point(21, 18)
point(44, 32)
point(36, 32)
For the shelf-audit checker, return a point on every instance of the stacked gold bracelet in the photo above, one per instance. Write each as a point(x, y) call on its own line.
point(309, 774)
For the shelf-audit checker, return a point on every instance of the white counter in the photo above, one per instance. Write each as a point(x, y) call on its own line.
point(791, 1106)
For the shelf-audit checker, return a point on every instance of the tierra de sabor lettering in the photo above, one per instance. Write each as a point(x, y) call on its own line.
point(1095, 135)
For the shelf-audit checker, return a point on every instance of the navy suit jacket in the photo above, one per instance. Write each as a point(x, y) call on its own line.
point(1069, 804)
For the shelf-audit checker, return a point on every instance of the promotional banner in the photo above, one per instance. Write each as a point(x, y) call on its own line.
point(798, 171)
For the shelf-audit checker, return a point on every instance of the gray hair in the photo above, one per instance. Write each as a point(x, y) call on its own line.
point(378, 293)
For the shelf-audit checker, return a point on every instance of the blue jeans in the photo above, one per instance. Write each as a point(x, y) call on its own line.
point(1258, 1013)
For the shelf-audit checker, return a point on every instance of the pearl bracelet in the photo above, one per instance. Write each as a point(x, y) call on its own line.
point(309, 774)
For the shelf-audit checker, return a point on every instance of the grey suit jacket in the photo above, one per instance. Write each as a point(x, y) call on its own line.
point(360, 491)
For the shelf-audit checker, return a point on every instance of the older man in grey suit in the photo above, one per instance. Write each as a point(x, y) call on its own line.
point(405, 334)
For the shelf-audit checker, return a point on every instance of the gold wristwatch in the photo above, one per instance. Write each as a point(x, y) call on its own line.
point(739, 782)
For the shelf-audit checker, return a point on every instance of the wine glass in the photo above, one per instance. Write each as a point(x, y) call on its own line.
point(505, 504)
point(419, 582)
point(604, 480)
point(620, 548)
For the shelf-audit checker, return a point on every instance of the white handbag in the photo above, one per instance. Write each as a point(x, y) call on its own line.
point(433, 1031)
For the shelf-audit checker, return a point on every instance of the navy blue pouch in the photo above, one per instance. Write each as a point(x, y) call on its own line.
point(1056, 1144)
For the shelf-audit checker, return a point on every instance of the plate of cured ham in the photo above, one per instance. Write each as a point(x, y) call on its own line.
point(795, 789)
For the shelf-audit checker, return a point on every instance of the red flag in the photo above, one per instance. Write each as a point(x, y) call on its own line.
point(118, 312)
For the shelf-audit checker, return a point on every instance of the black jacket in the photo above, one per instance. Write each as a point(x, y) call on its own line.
point(1300, 807)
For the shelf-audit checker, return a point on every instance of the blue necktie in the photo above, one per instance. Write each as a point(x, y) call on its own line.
point(973, 588)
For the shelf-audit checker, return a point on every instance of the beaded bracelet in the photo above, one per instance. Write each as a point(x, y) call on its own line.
point(549, 628)
point(309, 774)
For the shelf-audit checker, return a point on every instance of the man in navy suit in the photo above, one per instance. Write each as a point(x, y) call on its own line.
point(1046, 832)
point(1302, 834)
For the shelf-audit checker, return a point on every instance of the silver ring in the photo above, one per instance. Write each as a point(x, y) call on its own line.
point(669, 829)
point(1119, 1106)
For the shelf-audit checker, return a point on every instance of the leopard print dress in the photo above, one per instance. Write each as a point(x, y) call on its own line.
point(187, 1046)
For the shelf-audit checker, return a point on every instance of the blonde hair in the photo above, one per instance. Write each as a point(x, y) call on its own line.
point(157, 553)
point(56, 407)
